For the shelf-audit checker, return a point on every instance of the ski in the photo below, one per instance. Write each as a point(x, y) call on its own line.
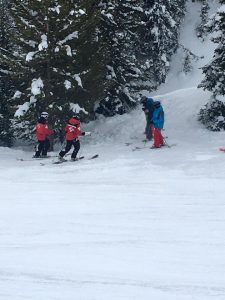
point(168, 145)
point(33, 158)
point(73, 161)
point(67, 160)
point(139, 148)
point(94, 156)
point(165, 145)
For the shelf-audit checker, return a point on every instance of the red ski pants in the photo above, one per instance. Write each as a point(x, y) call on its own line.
point(158, 138)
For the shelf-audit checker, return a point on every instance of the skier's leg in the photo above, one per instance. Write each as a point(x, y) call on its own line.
point(76, 144)
point(161, 137)
point(46, 147)
point(149, 131)
point(157, 139)
point(66, 149)
point(39, 148)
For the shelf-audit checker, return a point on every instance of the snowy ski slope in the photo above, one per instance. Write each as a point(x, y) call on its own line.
point(129, 225)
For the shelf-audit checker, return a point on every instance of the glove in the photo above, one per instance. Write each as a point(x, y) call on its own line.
point(87, 133)
point(83, 133)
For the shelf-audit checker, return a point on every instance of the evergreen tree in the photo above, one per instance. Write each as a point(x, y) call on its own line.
point(214, 80)
point(91, 55)
point(120, 34)
point(188, 60)
point(160, 37)
point(201, 29)
point(44, 66)
point(143, 36)
point(6, 130)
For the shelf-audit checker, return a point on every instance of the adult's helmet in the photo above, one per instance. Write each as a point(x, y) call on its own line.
point(143, 99)
point(44, 114)
point(74, 121)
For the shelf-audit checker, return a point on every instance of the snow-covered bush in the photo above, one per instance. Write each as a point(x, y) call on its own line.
point(213, 115)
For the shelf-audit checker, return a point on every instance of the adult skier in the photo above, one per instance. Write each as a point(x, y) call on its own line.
point(73, 131)
point(158, 123)
point(42, 133)
point(148, 108)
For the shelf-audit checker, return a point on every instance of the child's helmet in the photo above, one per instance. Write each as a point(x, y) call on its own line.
point(42, 120)
point(44, 114)
point(74, 121)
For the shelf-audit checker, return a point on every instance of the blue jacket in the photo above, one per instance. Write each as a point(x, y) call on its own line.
point(158, 117)
point(149, 105)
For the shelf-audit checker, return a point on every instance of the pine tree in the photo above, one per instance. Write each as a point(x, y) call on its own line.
point(120, 34)
point(160, 37)
point(44, 66)
point(188, 60)
point(6, 129)
point(93, 56)
point(143, 36)
point(201, 29)
point(214, 80)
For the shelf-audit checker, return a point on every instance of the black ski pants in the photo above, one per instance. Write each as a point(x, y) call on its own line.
point(148, 130)
point(42, 148)
point(75, 143)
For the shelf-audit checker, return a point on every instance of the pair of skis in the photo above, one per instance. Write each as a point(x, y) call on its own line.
point(54, 156)
point(58, 162)
point(145, 147)
point(153, 148)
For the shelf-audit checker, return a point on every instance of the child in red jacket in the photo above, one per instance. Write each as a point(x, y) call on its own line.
point(73, 132)
point(42, 133)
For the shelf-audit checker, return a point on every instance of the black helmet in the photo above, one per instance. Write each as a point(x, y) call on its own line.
point(143, 99)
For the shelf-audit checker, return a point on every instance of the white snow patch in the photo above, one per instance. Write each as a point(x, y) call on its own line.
point(36, 86)
point(67, 84)
point(44, 42)
point(77, 109)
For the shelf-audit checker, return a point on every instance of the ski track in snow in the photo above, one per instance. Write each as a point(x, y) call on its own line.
point(129, 225)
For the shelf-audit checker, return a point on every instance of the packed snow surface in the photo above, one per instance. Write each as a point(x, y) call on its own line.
point(129, 225)
point(145, 224)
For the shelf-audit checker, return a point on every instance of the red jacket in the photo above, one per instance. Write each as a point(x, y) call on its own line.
point(42, 131)
point(72, 132)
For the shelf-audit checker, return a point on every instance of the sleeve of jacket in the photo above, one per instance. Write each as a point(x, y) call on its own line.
point(78, 131)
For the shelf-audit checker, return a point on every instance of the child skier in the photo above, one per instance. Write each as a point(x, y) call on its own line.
point(73, 132)
point(42, 133)
point(158, 123)
point(148, 108)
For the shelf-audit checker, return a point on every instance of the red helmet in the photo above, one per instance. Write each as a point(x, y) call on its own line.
point(74, 121)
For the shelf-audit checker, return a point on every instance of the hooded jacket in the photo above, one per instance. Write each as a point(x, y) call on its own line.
point(158, 117)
